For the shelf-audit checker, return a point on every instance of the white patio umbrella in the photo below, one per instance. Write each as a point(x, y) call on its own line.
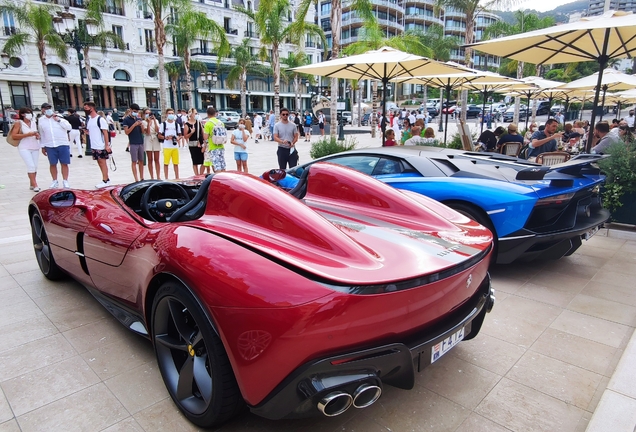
point(534, 87)
point(383, 65)
point(600, 38)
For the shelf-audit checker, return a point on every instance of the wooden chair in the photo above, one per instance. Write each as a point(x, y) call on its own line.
point(552, 158)
point(467, 137)
point(510, 148)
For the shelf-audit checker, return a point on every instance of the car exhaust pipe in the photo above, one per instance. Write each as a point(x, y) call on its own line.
point(366, 395)
point(335, 403)
point(490, 302)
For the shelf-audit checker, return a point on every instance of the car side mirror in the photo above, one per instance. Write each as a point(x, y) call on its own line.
point(62, 199)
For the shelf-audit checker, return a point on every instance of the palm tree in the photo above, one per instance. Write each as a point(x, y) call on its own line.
point(525, 21)
point(372, 37)
point(175, 70)
point(272, 20)
point(36, 25)
point(440, 46)
point(244, 63)
point(95, 16)
point(295, 60)
point(190, 26)
point(158, 10)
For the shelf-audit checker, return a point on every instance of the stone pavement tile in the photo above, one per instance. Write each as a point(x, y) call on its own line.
point(5, 409)
point(95, 335)
point(519, 321)
point(7, 282)
point(427, 411)
point(613, 311)
point(22, 266)
point(459, 381)
point(45, 287)
point(50, 383)
point(577, 266)
point(507, 284)
point(34, 355)
point(624, 379)
point(488, 352)
point(624, 263)
point(560, 295)
point(515, 272)
point(3, 272)
point(629, 248)
point(12, 296)
point(16, 312)
point(521, 408)
point(69, 319)
point(602, 242)
point(359, 423)
point(602, 290)
point(597, 395)
point(164, 416)
point(477, 423)
point(119, 356)
point(17, 256)
point(571, 384)
point(583, 422)
point(69, 297)
point(91, 409)
point(588, 327)
point(19, 333)
point(560, 280)
point(10, 426)
point(139, 388)
point(127, 425)
point(602, 254)
point(32, 276)
point(613, 278)
point(615, 413)
point(575, 350)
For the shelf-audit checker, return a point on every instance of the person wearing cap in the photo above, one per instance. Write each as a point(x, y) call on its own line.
point(511, 136)
point(133, 127)
point(53, 131)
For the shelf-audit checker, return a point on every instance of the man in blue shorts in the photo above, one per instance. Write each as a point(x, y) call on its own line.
point(132, 128)
point(55, 145)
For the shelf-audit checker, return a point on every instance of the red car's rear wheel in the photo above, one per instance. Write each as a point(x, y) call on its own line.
point(192, 360)
point(42, 249)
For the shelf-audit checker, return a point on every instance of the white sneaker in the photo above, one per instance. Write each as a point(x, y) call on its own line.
point(54, 185)
point(102, 184)
point(66, 185)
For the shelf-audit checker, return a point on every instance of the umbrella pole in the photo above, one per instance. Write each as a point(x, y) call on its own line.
point(602, 62)
point(603, 103)
point(619, 111)
point(483, 110)
point(527, 109)
point(448, 89)
point(385, 82)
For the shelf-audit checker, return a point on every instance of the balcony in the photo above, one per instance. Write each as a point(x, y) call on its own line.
point(231, 31)
point(115, 10)
point(309, 44)
point(8, 31)
point(111, 44)
point(141, 14)
point(250, 34)
point(202, 52)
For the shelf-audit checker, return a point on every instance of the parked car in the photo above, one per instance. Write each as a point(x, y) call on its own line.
point(543, 107)
point(432, 111)
point(555, 109)
point(446, 103)
point(229, 118)
point(347, 117)
point(247, 307)
point(473, 111)
point(535, 211)
point(499, 107)
point(509, 114)
point(449, 110)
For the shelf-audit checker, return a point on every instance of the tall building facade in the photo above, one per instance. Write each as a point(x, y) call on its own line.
point(598, 7)
point(127, 74)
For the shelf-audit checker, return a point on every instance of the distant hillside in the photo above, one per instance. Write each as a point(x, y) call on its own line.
point(560, 14)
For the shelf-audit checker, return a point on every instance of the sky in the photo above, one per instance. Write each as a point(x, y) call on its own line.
point(539, 5)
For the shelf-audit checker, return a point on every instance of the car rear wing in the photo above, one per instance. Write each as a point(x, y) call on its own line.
point(579, 165)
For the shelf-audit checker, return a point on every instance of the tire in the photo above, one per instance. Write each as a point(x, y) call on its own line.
point(481, 218)
point(191, 358)
point(42, 249)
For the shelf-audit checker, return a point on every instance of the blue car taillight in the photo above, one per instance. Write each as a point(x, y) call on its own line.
point(555, 200)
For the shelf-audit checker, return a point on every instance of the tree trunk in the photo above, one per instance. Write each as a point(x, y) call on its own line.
point(374, 107)
point(517, 98)
point(276, 64)
point(336, 28)
point(173, 86)
point(359, 90)
point(297, 92)
point(425, 97)
point(89, 75)
point(160, 39)
point(47, 81)
point(243, 94)
point(188, 76)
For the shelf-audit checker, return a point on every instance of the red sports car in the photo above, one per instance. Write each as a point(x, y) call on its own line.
point(292, 303)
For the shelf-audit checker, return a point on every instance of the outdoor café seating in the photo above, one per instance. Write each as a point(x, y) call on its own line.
point(552, 158)
point(510, 148)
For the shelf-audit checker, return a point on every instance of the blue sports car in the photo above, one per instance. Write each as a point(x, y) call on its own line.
point(535, 211)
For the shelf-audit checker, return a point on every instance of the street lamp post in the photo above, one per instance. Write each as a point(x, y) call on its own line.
point(5, 124)
point(211, 79)
point(247, 108)
point(57, 97)
point(359, 104)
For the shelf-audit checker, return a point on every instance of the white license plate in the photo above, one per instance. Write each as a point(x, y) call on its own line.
point(445, 346)
point(588, 235)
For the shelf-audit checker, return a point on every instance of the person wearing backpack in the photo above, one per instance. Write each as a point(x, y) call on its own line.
point(215, 134)
point(97, 130)
point(193, 133)
point(169, 133)
point(307, 124)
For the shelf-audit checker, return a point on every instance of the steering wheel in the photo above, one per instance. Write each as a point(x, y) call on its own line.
point(160, 210)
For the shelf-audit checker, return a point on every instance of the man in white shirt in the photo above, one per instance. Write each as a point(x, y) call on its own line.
point(412, 117)
point(97, 129)
point(258, 124)
point(630, 120)
point(54, 141)
point(169, 133)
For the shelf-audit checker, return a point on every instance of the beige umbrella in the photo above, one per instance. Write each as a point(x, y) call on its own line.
point(382, 65)
point(600, 38)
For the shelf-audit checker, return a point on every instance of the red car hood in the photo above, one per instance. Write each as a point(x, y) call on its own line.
point(349, 227)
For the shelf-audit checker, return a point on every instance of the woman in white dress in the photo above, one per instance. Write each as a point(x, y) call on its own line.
point(26, 131)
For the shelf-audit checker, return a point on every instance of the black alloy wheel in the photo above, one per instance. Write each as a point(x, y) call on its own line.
point(192, 360)
point(42, 249)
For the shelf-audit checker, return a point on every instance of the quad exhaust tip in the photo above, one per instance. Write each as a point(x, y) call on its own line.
point(366, 395)
point(335, 403)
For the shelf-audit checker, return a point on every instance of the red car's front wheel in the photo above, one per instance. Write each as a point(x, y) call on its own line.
point(42, 249)
point(192, 360)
